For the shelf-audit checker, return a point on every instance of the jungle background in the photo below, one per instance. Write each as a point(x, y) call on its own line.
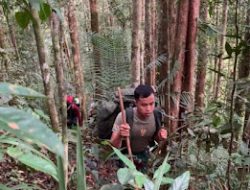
point(194, 52)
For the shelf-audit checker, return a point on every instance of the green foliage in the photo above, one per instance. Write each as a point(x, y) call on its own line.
point(22, 125)
point(33, 161)
point(115, 62)
point(23, 18)
point(13, 89)
point(60, 172)
point(138, 180)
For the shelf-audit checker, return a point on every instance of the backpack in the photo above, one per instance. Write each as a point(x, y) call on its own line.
point(107, 112)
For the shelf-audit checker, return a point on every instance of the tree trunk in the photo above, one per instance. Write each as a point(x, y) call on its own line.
point(190, 57)
point(150, 42)
point(56, 34)
point(135, 55)
point(45, 70)
point(74, 35)
point(167, 30)
point(95, 29)
point(244, 73)
point(202, 61)
point(178, 60)
point(222, 45)
point(142, 45)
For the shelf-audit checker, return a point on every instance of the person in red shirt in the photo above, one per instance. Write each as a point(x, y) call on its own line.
point(73, 112)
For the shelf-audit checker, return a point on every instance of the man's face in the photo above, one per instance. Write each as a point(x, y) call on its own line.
point(145, 106)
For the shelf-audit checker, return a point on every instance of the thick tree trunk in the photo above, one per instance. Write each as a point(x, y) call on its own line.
point(202, 61)
point(135, 55)
point(95, 29)
point(178, 60)
point(166, 46)
point(74, 35)
point(190, 57)
point(222, 45)
point(45, 70)
point(56, 34)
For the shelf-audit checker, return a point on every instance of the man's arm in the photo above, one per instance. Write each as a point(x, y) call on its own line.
point(118, 134)
point(116, 139)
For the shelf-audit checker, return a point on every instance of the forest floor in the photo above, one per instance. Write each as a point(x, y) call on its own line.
point(98, 170)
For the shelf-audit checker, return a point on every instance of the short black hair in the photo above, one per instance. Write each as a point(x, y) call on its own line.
point(143, 91)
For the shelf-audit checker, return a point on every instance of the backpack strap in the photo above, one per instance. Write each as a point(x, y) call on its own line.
point(129, 116)
point(158, 119)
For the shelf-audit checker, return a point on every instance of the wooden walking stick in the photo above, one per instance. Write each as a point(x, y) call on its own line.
point(124, 122)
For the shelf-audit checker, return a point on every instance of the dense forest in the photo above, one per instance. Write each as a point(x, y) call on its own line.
point(195, 53)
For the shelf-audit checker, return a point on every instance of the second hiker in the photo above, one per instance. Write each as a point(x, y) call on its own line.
point(143, 129)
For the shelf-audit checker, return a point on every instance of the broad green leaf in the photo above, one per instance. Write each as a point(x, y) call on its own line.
point(140, 179)
point(23, 18)
point(7, 88)
point(3, 187)
point(45, 11)
point(167, 180)
point(148, 185)
point(33, 161)
point(25, 126)
point(181, 182)
point(126, 161)
point(60, 172)
point(160, 172)
point(124, 175)
point(163, 168)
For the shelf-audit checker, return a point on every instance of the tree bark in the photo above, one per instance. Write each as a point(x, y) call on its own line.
point(179, 57)
point(74, 35)
point(150, 42)
point(222, 45)
point(202, 61)
point(45, 70)
point(135, 55)
point(190, 57)
point(56, 34)
point(243, 73)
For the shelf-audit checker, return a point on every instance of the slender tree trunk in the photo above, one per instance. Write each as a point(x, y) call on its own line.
point(190, 57)
point(150, 41)
point(56, 34)
point(12, 35)
point(5, 58)
point(95, 29)
point(202, 61)
point(222, 44)
point(135, 55)
point(45, 70)
point(74, 35)
point(142, 45)
point(179, 57)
